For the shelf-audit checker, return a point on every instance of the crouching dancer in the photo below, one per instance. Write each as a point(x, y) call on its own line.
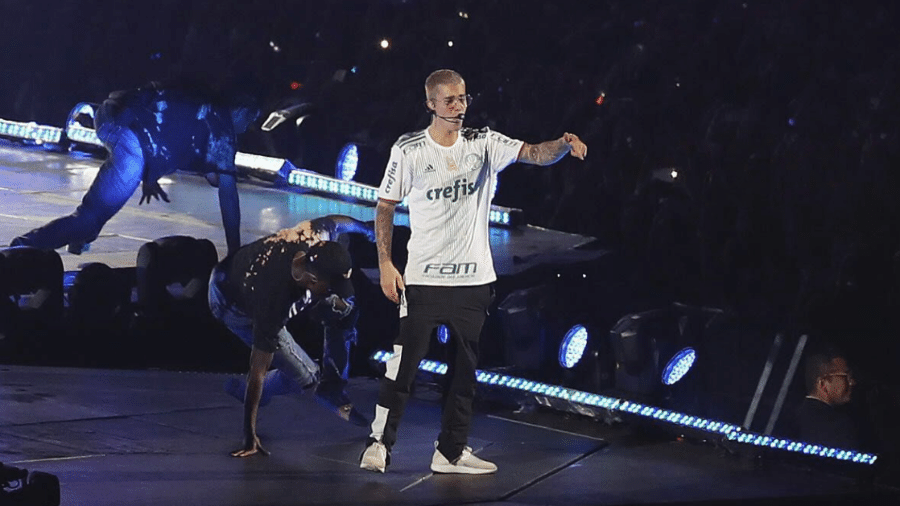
point(256, 290)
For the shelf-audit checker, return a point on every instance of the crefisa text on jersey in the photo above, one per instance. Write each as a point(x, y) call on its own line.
point(452, 192)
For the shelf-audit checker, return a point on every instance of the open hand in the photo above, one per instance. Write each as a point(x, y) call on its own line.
point(152, 189)
point(252, 446)
point(391, 282)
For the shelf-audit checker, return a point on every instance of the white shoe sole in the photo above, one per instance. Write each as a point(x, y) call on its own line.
point(451, 469)
point(371, 467)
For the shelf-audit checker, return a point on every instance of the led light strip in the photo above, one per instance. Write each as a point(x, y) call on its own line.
point(84, 135)
point(318, 182)
point(315, 181)
point(31, 131)
point(730, 431)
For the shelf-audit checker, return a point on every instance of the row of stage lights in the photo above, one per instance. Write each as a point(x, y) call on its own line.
point(677, 367)
point(341, 185)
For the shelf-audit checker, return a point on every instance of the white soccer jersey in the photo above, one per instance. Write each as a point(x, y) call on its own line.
point(448, 190)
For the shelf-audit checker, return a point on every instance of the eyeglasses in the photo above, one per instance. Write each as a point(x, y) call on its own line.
point(846, 375)
point(464, 100)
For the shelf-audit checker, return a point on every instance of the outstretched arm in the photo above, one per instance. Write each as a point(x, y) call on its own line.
point(230, 205)
point(338, 225)
point(550, 152)
point(259, 365)
point(391, 279)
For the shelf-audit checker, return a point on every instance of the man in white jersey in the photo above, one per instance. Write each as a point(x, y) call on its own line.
point(446, 173)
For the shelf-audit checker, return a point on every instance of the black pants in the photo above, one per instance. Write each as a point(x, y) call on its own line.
point(462, 310)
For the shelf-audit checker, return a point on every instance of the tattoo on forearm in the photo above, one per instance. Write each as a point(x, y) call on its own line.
point(546, 153)
point(384, 229)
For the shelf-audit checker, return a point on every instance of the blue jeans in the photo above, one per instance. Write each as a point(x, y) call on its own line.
point(118, 178)
point(293, 367)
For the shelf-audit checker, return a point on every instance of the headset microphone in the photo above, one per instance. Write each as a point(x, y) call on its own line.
point(458, 117)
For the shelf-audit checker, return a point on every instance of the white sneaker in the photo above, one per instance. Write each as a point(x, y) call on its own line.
point(375, 458)
point(466, 463)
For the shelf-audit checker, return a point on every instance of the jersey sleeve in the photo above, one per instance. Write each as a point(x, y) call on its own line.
point(502, 151)
point(396, 181)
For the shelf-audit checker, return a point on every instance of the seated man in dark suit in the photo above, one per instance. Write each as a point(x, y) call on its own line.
point(822, 417)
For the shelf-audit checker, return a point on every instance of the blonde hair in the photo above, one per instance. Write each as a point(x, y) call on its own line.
point(441, 77)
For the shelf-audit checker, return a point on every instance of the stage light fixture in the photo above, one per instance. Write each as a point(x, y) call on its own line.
point(276, 118)
point(572, 346)
point(262, 167)
point(590, 403)
point(347, 161)
point(80, 124)
point(443, 334)
point(678, 366)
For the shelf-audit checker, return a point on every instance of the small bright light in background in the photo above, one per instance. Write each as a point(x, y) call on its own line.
point(678, 366)
point(600, 98)
point(464, 14)
point(443, 334)
point(791, 121)
point(275, 47)
point(347, 161)
point(667, 174)
point(354, 69)
point(572, 346)
point(449, 43)
point(384, 43)
point(296, 85)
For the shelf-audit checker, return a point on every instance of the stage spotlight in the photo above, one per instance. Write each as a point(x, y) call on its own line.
point(642, 342)
point(572, 346)
point(678, 366)
point(80, 125)
point(347, 161)
point(443, 334)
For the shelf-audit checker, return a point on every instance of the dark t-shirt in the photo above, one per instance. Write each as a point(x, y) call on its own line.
point(178, 129)
point(258, 282)
point(820, 423)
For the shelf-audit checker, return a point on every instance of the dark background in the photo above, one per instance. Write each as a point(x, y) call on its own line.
point(779, 116)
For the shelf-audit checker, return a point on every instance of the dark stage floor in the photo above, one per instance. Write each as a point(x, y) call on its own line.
point(160, 437)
